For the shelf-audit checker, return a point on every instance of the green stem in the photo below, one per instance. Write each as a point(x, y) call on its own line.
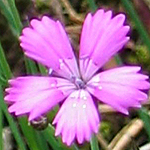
point(94, 143)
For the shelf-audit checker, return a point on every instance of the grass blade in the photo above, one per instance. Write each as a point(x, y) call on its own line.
point(42, 69)
point(30, 135)
point(15, 14)
point(3, 81)
point(1, 129)
point(30, 66)
point(10, 18)
point(41, 141)
point(139, 25)
point(143, 113)
point(54, 142)
point(49, 135)
point(11, 122)
point(4, 65)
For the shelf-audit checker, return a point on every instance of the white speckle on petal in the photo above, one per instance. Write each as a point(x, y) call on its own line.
point(82, 94)
point(61, 63)
point(72, 96)
point(84, 106)
point(52, 85)
point(60, 60)
point(95, 84)
point(100, 88)
point(74, 105)
point(96, 79)
point(84, 98)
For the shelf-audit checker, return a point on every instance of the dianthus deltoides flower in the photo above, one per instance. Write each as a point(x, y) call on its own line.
point(76, 83)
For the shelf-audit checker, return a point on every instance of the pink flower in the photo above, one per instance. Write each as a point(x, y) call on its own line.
point(76, 83)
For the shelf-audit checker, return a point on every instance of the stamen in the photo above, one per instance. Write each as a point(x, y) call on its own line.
point(78, 82)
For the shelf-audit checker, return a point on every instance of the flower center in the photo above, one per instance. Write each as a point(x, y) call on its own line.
point(80, 84)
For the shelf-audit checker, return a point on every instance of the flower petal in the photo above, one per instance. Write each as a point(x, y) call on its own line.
point(36, 95)
point(102, 36)
point(120, 87)
point(77, 118)
point(46, 42)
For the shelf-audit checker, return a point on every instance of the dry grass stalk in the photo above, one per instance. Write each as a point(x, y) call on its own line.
point(102, 142)
point(125, 136)
point(71, 12)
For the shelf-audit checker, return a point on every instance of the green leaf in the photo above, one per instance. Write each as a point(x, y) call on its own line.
point(1, 129)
